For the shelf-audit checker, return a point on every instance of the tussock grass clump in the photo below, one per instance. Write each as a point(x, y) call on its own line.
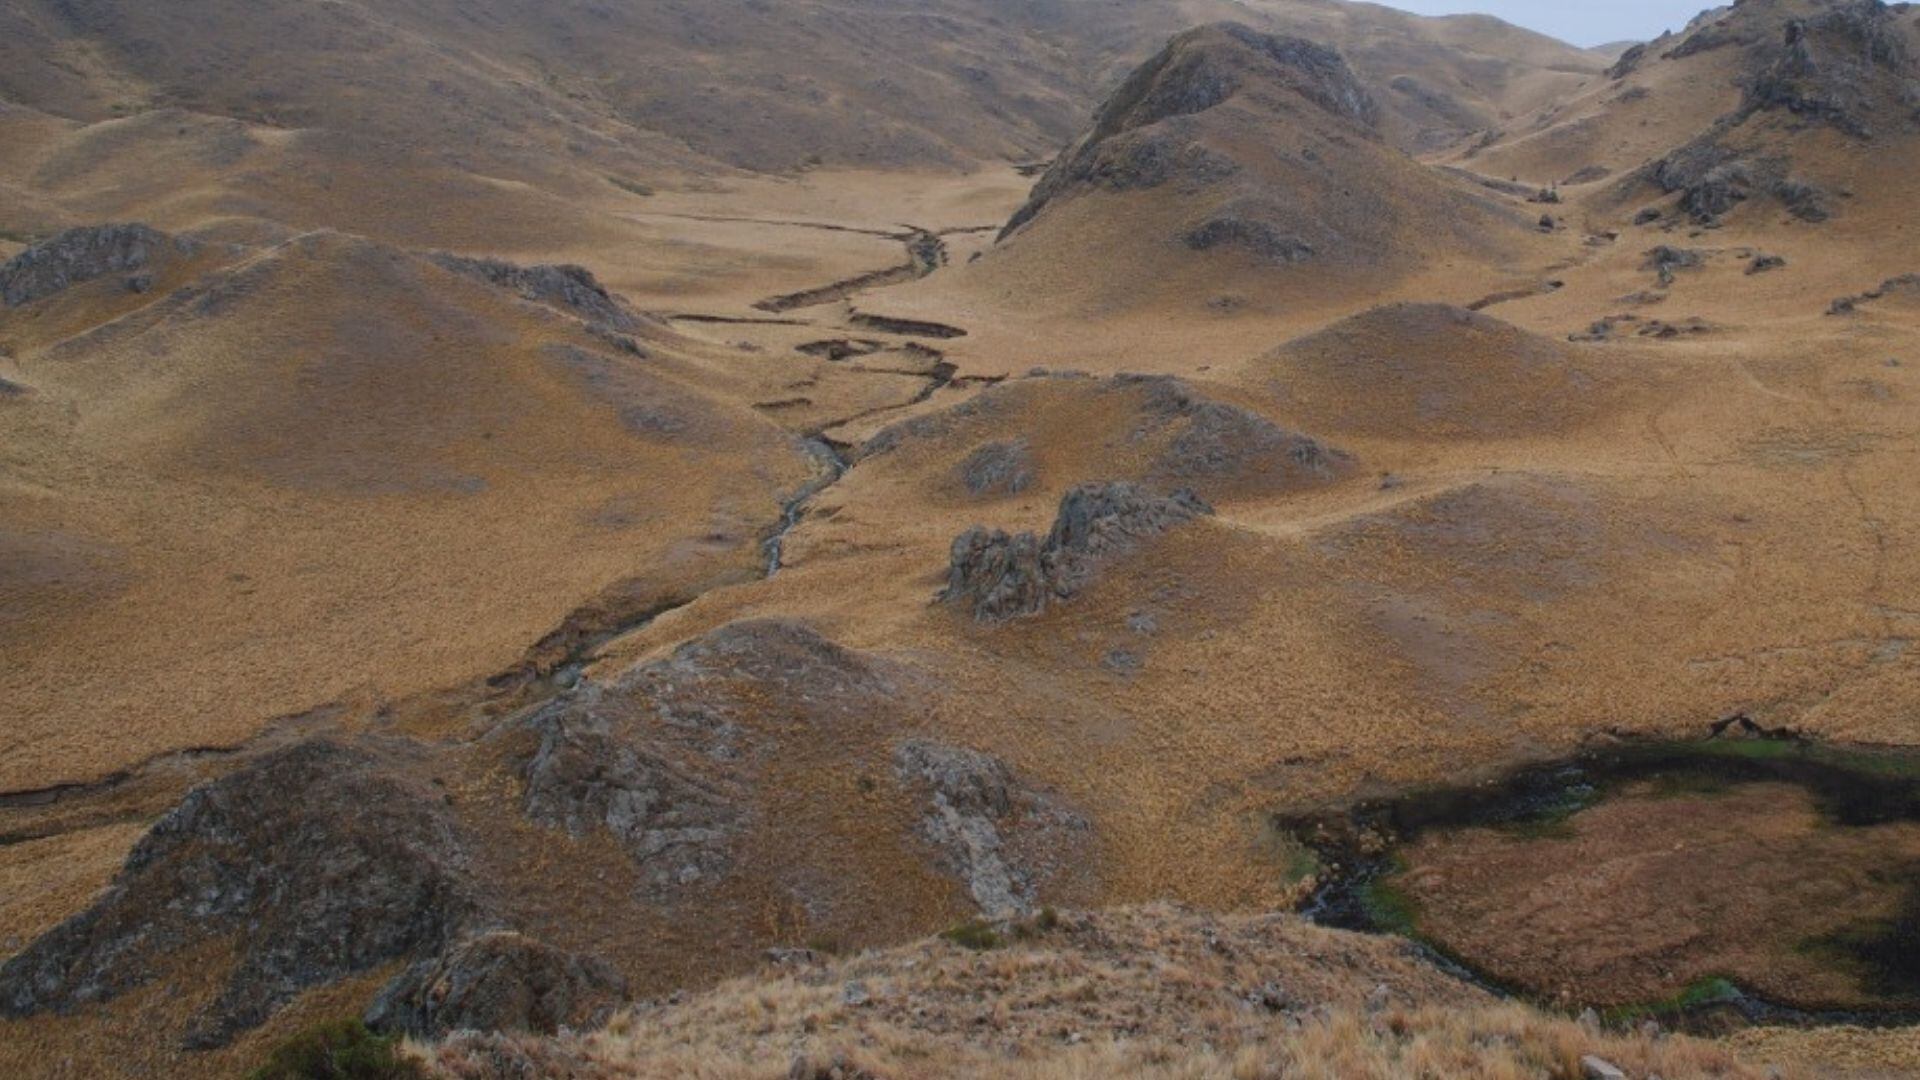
point(339, 1050)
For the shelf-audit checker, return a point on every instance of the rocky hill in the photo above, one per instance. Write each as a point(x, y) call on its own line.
point(892, 538)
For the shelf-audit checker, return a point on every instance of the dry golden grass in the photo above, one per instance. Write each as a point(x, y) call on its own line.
point(1157, 992)
point(206, 524)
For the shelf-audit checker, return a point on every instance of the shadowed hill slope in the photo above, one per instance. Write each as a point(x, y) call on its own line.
point(506, 84)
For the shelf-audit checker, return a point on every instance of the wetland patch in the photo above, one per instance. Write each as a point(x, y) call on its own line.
point(1706, 884)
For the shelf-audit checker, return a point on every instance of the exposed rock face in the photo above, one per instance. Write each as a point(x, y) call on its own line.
point(1138, 138)
point(499, 981)
point(999, 577)
point(1664, 260)
point(1004, 840)
point(1848, 67)
point(659, 757)
point(315, 862)
point(672, 815)
point(998, 468)
point(83, 254)
point(1829, 64)
point(1219, 442)
point(1241, 231)
point(1906, 285)
point(572, 289)
point(1712, 180)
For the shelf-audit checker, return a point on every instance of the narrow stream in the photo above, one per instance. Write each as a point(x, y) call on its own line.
point(830, 466)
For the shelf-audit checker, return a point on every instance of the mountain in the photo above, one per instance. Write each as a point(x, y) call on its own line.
point(881, 538)
point(514, 89)
point(1233, 157)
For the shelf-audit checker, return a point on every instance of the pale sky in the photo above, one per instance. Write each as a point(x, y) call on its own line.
point(1581, 22)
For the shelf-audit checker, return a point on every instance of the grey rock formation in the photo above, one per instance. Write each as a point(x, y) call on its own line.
point(998, 576)
point(1829, 64)
point(998, 468)
point(1215, 442)
point(1237, 230)
point(673, 817)
point(661, 759)
point(1847, 67)
point(314, 863)
point(1664, 260)
point(1002, 839)
point(1906, 285)
point(83, 254)
point(572, 289)
point(499, 981)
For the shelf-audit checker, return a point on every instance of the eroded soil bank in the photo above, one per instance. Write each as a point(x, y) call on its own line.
point(1709, 884)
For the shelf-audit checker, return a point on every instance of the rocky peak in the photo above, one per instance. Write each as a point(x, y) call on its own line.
point(1138, 138)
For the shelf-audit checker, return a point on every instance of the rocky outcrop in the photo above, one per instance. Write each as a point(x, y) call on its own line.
point(572, 289)
point(663, 759)
point(1712, 180)
point(1002, 839)
point(1140, 138)
point(1907, 285)
point(1180, 437)
point(1245, 229)
point(674, 814)
point(997, 576)
point(1829, 67)
point(1216, 443)
point(1848, 67)
point(998, 469)
point(310, 865)
point(84, 254)
point(1665, 260)
point(498, 982)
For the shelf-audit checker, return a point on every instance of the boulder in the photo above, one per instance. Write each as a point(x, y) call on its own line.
point(498, 981)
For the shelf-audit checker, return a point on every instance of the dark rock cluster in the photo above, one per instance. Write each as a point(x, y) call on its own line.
point(1828, 66)
point(572, 289)
point(1235, 229)
point(997, 576)
point(1904, 285)
point(499, 981)
point(316, 863)
point(83, 254)
point(998, 468)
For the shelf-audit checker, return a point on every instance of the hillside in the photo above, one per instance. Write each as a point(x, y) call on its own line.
point(606, 526)
point(513, 89)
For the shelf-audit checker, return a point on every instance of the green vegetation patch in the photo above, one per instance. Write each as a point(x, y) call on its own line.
point(339, 1050)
